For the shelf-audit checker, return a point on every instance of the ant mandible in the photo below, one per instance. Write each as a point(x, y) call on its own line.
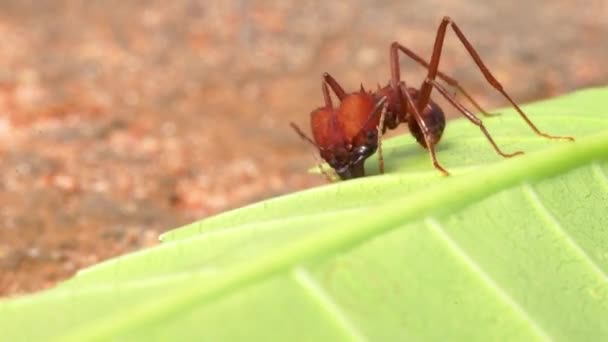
point(347, 135)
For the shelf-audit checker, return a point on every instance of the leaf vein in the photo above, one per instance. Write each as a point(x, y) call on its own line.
point(436, 227)
point(601, 176)
point(561, 231)
point(315, 290)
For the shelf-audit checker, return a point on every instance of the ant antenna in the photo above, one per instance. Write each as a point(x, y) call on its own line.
point(304, 136)
point(380, 129)
point(319, 162)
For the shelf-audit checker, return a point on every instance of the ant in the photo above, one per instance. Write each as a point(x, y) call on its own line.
point(347, 135)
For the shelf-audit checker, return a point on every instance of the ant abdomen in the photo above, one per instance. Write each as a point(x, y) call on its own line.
point(433, 119)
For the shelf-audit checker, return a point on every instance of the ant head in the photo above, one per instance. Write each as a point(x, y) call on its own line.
point(348, 135)
point(333, 142)
point(346, 162)
point(359, 113)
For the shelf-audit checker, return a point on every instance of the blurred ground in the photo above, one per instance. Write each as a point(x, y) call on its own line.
point(122, 119)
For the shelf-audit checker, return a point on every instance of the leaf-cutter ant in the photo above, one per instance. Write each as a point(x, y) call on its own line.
point(347, 135)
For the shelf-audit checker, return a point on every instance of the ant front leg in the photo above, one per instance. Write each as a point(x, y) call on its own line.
point(395, 47)
point(427, 87)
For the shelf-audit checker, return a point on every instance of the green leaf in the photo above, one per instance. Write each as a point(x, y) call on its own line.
point(501, 250)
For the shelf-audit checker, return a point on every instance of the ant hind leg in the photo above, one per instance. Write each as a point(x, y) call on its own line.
point(396, 46)
point(433, 72)
point(475, 120)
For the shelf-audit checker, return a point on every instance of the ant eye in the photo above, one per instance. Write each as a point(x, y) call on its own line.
point(371, 135)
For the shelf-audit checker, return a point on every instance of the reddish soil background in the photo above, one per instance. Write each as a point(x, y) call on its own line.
point(122, 119)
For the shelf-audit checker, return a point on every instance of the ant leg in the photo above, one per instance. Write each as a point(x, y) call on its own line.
point(425, 91)
point(334, 85)
point(409, 103)
point(475, 120)
point(475, 104)
point(379, 132)
point(395, 46)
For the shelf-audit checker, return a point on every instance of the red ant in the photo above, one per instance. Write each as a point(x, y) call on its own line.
point(347, 135)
